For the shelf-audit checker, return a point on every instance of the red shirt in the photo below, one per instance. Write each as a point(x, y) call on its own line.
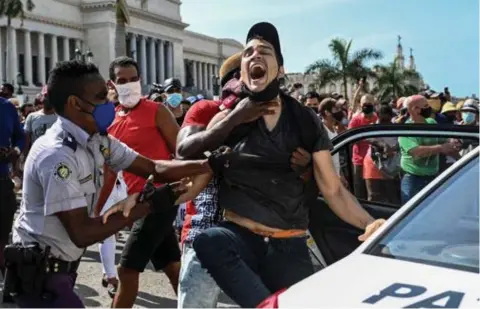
point(138, 130)
point(360, 149)
point(199, 114)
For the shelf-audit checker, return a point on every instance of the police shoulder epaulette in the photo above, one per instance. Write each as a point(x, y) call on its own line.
point(70, 142)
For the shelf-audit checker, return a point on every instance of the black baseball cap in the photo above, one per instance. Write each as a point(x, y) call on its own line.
point(267, 32)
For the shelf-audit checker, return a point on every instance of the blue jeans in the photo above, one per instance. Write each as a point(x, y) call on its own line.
point(412, 184)
point(196, 288)
point(249, 267)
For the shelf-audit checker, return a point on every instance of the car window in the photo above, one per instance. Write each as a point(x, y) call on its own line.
point(443, 229)
point(387, 170)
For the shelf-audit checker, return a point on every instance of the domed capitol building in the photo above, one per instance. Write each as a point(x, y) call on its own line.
point(309, 81)
point(157, 38)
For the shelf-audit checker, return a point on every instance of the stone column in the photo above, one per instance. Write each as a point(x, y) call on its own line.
point(161, 61)
point(200, 76)
point(66, 49)
point(133, 46)
point(2, 63)
point(152, 62)
point(205, 76)
point(12, 61)
point(143, 60)
point(209, 74)
point(54, 52)
point(170, 60)
point(41, 59)
point(194, 73)
point(28, 57)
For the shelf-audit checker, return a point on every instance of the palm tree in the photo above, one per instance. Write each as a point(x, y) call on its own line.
point(13, 9)
point(123, 18)
point(345, 65)
point(392, 81)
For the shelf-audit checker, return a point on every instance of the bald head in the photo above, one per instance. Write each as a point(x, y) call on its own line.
point(418, 108)
point(416, 101)
point(367, 99)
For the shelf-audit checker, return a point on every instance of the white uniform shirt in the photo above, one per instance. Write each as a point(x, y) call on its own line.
point(63, 172)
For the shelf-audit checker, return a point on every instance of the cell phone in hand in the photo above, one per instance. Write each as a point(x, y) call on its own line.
point(147, 189)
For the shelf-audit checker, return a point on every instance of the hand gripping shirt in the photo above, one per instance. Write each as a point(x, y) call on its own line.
point(63, 171)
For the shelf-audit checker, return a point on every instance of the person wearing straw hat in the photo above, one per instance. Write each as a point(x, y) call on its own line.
point(449, 110)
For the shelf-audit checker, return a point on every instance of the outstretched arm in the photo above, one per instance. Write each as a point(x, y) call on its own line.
point(167, 171)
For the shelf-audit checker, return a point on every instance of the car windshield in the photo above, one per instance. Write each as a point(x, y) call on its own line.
point(443, 229)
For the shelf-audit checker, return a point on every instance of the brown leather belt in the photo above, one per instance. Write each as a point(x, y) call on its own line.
point(261, 229)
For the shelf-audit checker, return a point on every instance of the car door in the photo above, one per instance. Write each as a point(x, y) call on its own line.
point(331, 238)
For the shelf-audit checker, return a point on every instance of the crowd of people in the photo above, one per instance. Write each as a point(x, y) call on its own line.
point(384, 169)
point(96, 156)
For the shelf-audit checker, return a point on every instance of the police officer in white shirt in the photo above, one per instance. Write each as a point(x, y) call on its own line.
point(61, 182)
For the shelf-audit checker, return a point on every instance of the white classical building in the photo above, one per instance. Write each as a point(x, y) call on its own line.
point(309, 81)
point(156, 38)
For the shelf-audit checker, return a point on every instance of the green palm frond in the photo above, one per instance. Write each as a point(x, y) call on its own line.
point(15, 9)
point(392, 81)
point(366, 54)
point(344, 66)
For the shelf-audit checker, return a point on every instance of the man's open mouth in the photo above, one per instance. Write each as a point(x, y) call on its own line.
point(257, 72)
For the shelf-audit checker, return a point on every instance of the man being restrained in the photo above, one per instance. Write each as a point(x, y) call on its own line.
point(261, 247)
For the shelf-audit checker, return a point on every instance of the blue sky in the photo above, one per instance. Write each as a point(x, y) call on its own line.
point(444, 34)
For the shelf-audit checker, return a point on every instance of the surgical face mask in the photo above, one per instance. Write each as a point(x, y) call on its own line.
point(129, 94)
point(345, 121)
point(468, 117)
point(266, 95)
point(103, 114)
point(174, 100)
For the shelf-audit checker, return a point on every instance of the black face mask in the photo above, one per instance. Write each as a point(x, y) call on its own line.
point(268, 94)
point(426, 112)
point(338, 116)
point(451, 118)
point(314, 109)
point(367, 109)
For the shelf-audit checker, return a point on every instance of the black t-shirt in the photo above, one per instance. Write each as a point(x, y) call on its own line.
point(270, 191)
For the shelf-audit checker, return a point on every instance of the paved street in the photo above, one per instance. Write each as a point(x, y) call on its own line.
point(155, 290)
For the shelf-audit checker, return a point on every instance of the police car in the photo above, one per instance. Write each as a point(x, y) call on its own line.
point(425, 256)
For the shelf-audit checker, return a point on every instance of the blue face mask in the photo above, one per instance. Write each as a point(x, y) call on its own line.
point(468, 117)
point(174, 99)
point(103, 114)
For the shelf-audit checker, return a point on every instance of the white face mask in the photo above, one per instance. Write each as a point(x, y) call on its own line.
point(129, 94)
